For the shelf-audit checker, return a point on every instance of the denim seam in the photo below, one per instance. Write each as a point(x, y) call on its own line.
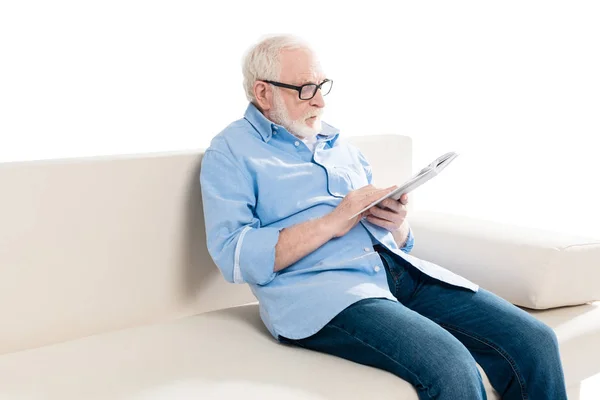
point(382, 353)
point(395, 277)
point(396, 280)
point(500, 351)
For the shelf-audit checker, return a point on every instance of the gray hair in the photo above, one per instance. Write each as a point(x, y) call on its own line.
point(262, 60)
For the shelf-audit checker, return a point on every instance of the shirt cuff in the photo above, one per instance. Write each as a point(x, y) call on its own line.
point(254, 259)
point(410, 242)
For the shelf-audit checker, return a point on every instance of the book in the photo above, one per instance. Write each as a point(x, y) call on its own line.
point(424, 175)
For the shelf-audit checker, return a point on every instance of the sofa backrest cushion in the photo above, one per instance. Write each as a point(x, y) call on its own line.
point(96, 244)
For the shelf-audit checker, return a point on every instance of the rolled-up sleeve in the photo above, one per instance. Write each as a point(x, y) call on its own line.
point(410, 242)
point(242, 249)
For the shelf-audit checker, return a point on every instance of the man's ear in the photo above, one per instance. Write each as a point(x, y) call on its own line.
point(263, 95)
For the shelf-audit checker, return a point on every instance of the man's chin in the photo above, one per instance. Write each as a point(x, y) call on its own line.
point(314, 125)
point(305, 130)
point(308, 132)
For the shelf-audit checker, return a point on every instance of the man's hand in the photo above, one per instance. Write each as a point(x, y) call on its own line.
point(389, 214)
point(339, 219)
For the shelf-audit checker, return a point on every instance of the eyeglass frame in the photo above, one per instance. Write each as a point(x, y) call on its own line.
point(299, 88)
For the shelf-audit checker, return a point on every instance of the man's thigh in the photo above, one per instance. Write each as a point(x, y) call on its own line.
point(482, 315)
point(504, 339)
point(488, 318)
point(386, 334)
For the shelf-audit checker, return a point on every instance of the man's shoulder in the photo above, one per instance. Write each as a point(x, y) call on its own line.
point(236, 136)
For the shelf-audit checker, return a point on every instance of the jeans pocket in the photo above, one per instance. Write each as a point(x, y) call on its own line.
point(395, 272)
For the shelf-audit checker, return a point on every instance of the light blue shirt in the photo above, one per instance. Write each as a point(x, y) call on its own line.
point(257, 179)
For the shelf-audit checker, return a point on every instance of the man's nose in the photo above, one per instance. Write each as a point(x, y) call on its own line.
point(318, 101)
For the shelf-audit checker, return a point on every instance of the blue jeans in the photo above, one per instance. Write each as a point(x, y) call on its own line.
point(433, 336)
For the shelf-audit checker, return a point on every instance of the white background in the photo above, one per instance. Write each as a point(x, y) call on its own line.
point(513, 86)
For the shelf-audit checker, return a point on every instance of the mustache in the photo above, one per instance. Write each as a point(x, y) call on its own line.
point(314, 113)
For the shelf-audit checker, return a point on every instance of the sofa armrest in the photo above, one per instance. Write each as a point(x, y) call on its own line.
point(528, 267)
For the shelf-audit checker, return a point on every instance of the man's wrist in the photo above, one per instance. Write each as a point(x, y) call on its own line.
point(326, 226)
point(401, 234)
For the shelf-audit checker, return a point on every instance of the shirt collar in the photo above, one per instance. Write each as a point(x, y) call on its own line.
point(328, 133)
point(265, 127)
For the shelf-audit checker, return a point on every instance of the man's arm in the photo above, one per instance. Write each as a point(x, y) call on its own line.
point(302, 239)
point(245, 251)
point(298, 241)
point(242, 249)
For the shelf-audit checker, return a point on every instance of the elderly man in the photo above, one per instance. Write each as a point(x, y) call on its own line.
point(279, 188)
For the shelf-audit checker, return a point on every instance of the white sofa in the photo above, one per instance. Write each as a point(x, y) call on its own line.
point(107, 290)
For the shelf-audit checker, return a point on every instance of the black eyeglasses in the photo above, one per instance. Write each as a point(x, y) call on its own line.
point(308, 91)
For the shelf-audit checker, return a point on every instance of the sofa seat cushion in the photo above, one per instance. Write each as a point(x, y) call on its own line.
point(229, 354)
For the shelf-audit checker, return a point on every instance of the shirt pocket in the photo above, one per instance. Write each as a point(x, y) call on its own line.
point(354, 174)
point(344, 170)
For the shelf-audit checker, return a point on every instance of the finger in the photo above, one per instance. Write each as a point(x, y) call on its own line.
point(404, 199)
point(392, 216)
point(381, 222)
point(368, 191)
point(378, 194)
point(392, 205)
point(368, 188)
point(387, 189)
point(382, 213)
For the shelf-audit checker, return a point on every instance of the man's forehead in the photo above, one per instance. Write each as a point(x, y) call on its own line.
point(316, 77)
point(301, 66)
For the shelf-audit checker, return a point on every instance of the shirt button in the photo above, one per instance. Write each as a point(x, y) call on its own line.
point(376, 268)
point(366, 249)
point(296, 143)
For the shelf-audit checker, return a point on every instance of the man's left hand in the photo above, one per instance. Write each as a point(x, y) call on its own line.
point(389, 214)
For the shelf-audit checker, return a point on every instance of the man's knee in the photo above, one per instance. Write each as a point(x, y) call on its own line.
point(540, 343)
point(455, 375)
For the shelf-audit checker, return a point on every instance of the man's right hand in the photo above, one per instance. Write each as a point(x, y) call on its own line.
point(339, 219)
point(299, 240)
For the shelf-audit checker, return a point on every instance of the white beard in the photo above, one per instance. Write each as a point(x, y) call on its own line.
point(297, 127)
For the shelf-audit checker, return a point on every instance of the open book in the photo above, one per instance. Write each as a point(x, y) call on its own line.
point(417, 180)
